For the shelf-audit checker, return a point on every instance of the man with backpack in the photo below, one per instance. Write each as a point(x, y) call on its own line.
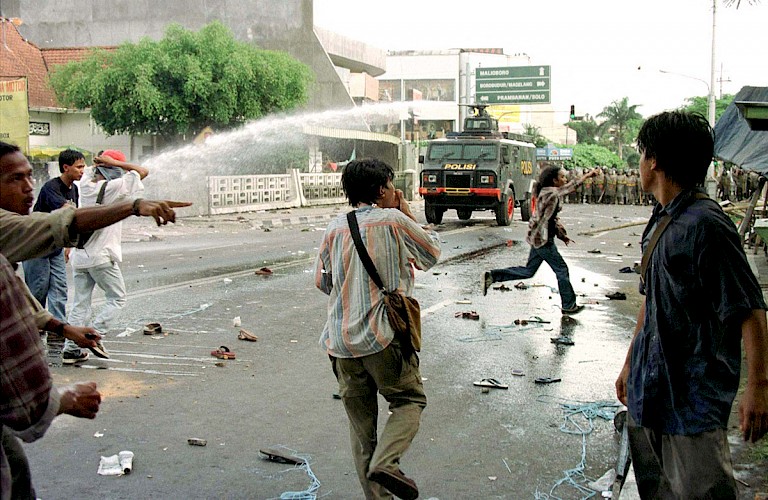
point(110, 180)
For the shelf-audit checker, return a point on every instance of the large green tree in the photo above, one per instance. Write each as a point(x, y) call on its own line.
point(620, 116)
point(591, 155)
point(700, 104)
point(182, 83)
point(588, 131)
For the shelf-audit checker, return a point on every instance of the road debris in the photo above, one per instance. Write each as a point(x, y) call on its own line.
point(246, 335)
point(116, 465)
point(152, 328)
point(491, 383)
point(223, 352)
point(616, 296)
point(467, 315)
point(264, 271)
point(197, 442)
point(282, 457)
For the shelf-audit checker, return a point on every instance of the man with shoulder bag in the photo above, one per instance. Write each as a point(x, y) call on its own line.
point(373, 327)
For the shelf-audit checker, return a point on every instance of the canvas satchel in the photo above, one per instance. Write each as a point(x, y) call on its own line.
point(403, 312)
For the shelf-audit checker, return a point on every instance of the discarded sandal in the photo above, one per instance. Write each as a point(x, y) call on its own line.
point(616, 296)
point(502, 288)
point(546, 380)
point(246, 335)
point(521, 286)
point(467, 315)
point(223, 352)
point(281, 457)
point(491, 382)
point(264, 271)
point(562, 340)
point(594, 250)
point(152, 328)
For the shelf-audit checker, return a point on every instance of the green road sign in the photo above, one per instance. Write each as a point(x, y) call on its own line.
point(513, 85)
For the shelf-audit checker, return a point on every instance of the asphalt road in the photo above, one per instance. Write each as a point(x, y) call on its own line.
point(197, 279)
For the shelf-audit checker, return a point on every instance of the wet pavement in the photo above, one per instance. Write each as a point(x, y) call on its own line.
point(161, 390)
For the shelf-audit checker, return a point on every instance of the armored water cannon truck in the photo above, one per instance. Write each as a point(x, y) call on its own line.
point(478, 169)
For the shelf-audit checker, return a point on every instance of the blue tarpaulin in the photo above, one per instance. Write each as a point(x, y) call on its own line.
point(735, 142)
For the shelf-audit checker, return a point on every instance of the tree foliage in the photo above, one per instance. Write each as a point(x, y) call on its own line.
point(619, 117)
point(700, 104)
point(182, 83)
point(535, 133)
point(588, 131)
point(592, 155)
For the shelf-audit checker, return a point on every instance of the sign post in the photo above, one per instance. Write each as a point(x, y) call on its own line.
point(513, 85)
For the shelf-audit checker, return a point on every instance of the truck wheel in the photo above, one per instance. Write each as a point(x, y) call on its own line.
point(433, 214)
point(526, 207)
point(505, 210)
point(464, 213)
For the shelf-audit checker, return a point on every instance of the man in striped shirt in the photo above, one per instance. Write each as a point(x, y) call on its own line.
point(365, 356)
point(28, 400)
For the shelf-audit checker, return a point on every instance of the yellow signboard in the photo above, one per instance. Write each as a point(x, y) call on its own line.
point(509, 113)
point(14, 113)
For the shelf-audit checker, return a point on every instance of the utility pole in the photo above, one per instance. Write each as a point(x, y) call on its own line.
point(711, 103)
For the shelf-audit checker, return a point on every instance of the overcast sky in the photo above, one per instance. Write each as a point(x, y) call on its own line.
point(594, 47)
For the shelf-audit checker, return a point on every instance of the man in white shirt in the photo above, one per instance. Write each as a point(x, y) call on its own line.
point(97, 263)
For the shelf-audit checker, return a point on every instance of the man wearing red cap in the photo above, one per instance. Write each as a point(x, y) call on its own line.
point(110, 180)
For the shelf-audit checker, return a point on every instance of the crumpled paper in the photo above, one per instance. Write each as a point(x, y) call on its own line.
point(116, 465)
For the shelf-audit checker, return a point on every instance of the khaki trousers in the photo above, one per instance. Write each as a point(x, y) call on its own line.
point(682, 467)
point(398, 380)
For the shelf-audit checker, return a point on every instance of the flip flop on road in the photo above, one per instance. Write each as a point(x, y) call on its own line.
point(491, 382)
point(223, 352)
point(246, 335)
point(152, 328)
point(546, 380)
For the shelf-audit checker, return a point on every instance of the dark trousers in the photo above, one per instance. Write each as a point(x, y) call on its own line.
point(549, 254)
point(671, 467)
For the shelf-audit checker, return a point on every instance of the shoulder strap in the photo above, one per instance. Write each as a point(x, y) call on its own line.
point(354, 230)
point(660, 227)
point(100, 197)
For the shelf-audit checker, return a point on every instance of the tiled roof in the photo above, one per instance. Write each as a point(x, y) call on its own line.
point(54, 57)
point(19, 57)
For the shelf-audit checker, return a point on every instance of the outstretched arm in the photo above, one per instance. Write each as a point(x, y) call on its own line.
point(99, 216)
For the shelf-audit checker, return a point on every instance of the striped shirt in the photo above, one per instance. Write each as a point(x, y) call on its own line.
point(545, 224)
point(357, 322)
point(28, 400)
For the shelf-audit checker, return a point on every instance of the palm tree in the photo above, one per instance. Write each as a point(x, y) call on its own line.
point(618, 117)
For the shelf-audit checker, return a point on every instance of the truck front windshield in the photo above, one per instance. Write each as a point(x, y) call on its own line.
point(469, 152)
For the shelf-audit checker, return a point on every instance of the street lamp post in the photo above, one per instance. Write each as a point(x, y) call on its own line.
point(710, 182)
point(710, 95)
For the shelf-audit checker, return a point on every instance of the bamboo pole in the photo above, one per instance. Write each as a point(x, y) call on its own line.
point(612, 228)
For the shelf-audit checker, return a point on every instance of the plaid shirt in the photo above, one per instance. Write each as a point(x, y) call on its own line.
point(357, 322)
point(28, 401)
point(547, 206)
